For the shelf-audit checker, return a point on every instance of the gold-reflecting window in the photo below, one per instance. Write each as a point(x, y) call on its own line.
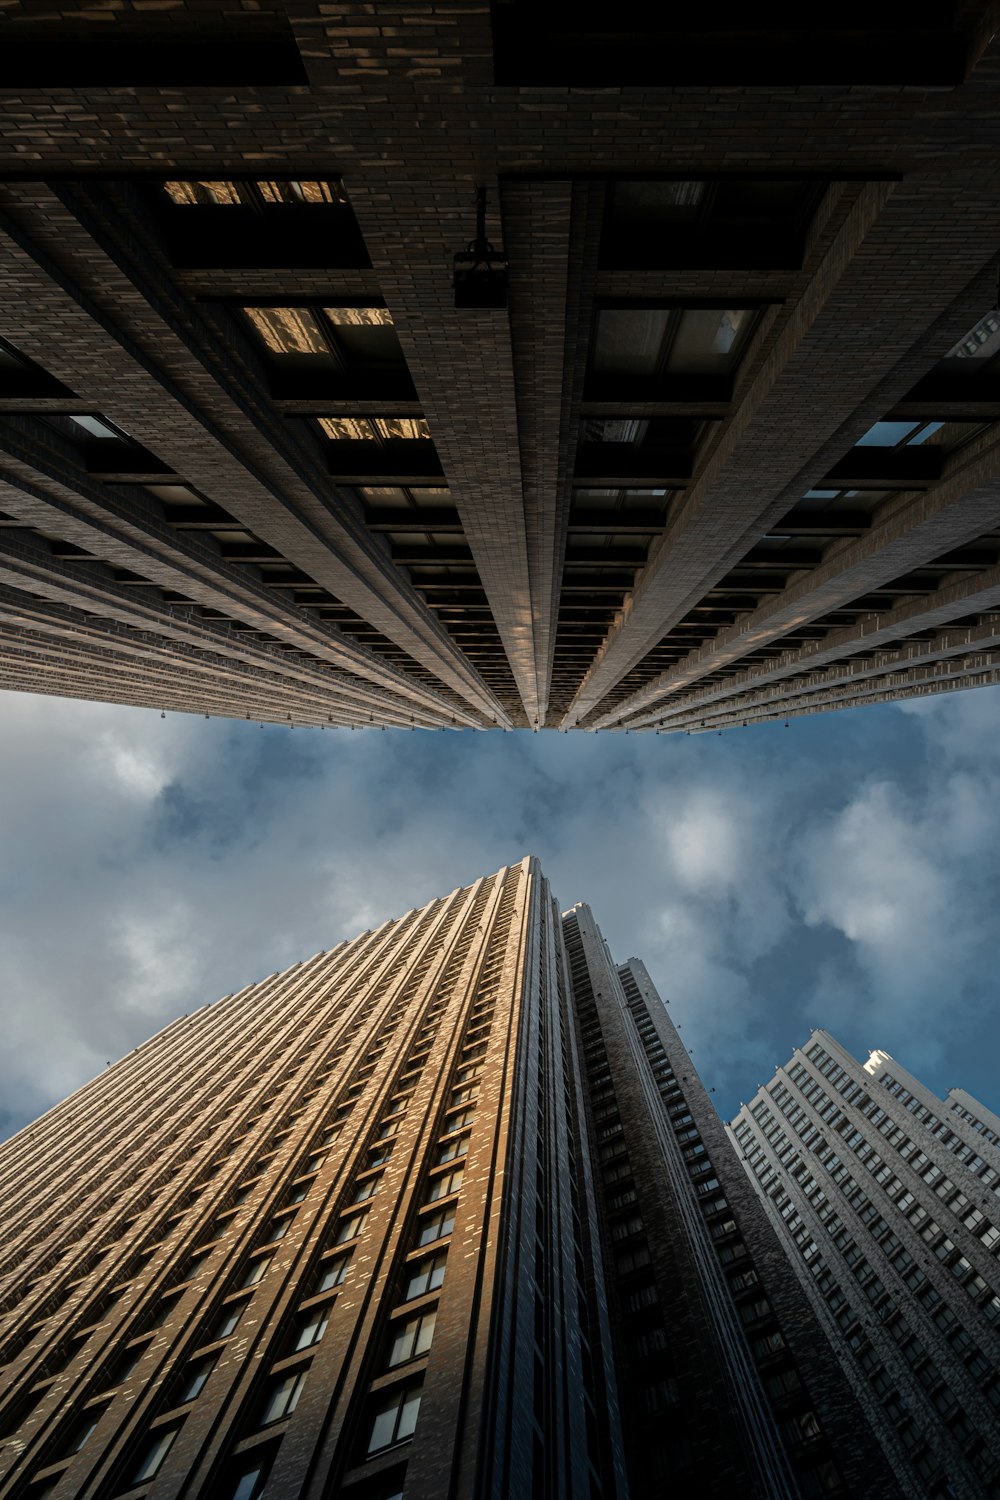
point(360, 339)
point(253, 194)
point(359, 317)
point(203, 192)
point(409, 429)
point(365, 429)
point(347, 429)
point(302, 192)
point(289, 330)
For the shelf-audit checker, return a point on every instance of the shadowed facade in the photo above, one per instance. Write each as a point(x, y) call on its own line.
point(727, 454)
point(886, 1198)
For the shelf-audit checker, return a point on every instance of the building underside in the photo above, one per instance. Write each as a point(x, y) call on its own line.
point(255, 462)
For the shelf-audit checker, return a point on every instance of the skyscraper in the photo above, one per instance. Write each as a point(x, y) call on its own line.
point(711, 440)
point(444, 1211)
point(888, 1201)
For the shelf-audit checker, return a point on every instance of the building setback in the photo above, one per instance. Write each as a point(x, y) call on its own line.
point(887, 1199)
point(445, 1211)
point(712, 440)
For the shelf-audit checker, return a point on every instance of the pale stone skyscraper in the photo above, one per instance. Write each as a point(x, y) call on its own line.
point(887, 1199)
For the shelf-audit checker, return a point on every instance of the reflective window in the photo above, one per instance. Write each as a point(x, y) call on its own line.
point(412, 1338)
point(374, 429)
point(194, 1380)
point(435, 1226)
point(311, 1329)
point(657, 202)
point(281, 1397)
point(395, 1418)
point(331, 338)
point(981, 342)
point(287, 330)
point(452, 1148)
point(153, 1455)
point(81, 1431)
point(426, 1276)
point(366, 1189)
point(886, 434)
point(255, 1271)
point(946, 435)
point(441, 1187)
point(249, 1484)
point(224, 194)
point(227, 1321)
point(332, 1273)
point(670, 341)
point(349, 1228)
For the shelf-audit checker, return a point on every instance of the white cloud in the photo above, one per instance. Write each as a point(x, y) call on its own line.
point(770, 881)
point(705, 839)
point(870, 874)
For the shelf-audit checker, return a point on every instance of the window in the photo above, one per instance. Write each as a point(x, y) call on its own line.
point(125, 1365)
point(395, 1418)
point(154, 1453)
point(783, 1383)
point(276, 1230)
point(468, 1072)
point(655, 342)
point(281, 1397)
point(448, 1182)
point(824, 1479)
point(310, 1329)
point(436, 1226)
point(227, 1321)
point(661, 1395)
point(426, 1276)
point(234, 194)
point(450, 1149)
point(255, 1271)
point(360, 340)
point(374, 429)
point(194, 1265)
point(366, 1189)
point(81, 1430)
point(465, 1094)
point(633, 1260)
point(332, 1273)
point(411, 1338)
point(249, 1484)
point(456, 1121)
point(349, 1228)
point(193, 1380)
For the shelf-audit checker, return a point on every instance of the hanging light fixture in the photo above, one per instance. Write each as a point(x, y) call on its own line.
point(480, 275)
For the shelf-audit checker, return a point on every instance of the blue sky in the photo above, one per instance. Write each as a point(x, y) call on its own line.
point(843, 872)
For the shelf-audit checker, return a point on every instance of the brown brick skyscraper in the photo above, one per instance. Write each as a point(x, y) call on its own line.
point(721, 448)
point(443, 1212)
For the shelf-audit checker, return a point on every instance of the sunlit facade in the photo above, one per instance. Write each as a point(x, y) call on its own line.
point(443, 1211)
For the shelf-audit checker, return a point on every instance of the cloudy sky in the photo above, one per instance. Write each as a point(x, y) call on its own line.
point(843, 872)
